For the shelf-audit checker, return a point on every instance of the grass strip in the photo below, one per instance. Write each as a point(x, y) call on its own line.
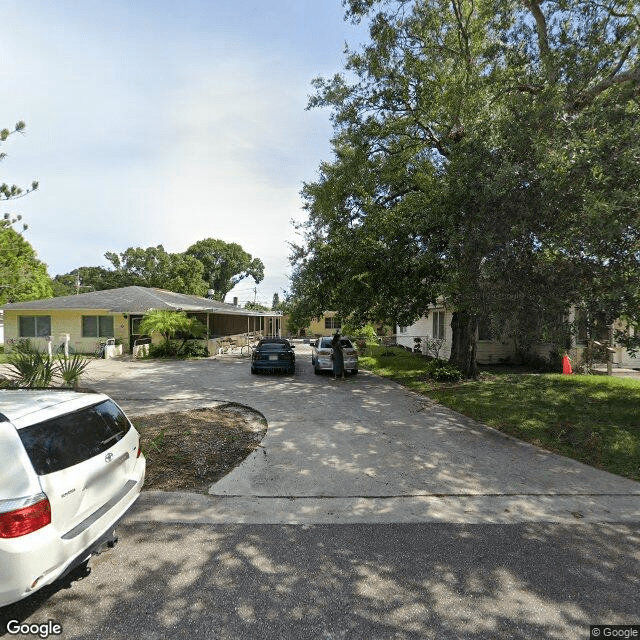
point(593, 419)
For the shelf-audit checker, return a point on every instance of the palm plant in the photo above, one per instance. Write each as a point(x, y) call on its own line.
point(31, 368)
point(172, 324)
point(71, 368)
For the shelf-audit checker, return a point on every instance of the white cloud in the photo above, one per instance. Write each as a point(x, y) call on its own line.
point(165, 123)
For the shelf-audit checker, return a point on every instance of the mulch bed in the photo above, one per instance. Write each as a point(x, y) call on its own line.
point(190, 450)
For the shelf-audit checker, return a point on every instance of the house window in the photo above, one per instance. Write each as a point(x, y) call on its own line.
point(438, 325)
point(332, 323)
point(403, 329)
point(97, 327)
point(35, 326)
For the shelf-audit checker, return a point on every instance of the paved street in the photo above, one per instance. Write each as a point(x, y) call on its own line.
point(369, 512)
point(409, 581)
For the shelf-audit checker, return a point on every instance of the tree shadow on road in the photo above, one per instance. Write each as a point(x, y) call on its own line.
point(407, 582)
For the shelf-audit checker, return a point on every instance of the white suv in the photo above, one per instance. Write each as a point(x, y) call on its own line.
point(70, 467)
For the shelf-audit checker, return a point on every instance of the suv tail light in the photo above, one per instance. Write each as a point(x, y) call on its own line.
point(24, 515)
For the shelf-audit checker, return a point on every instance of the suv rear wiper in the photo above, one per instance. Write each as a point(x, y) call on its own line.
point(115, 435)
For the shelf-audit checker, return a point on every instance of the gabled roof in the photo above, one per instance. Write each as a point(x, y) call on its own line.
point(132, 300)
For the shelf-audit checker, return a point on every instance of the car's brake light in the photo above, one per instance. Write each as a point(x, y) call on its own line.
point(24, 515)
point(139, 450)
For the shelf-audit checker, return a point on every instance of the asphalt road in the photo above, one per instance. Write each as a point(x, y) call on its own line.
point(451, 570)
point(330, 582)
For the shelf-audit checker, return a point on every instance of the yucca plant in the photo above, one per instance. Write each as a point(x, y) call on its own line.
point(71, 368)
point(36, 369)
point(31, 369)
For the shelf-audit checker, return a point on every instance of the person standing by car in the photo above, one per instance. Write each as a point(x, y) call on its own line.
point(338, 356)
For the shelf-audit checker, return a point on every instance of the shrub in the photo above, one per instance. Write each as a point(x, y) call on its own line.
point(433, 346)
point(443, 371)
point(23, 345)
point(172, 326)
point(193, 349)
point(163, 350)
point(175, 349)
point(552, 364)
point(31, 368)
point(366, 331)
point(35, 369)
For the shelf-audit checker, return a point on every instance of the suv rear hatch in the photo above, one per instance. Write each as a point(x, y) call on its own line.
point(85, 463)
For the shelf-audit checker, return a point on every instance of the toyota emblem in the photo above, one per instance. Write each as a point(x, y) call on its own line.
point(108, 457)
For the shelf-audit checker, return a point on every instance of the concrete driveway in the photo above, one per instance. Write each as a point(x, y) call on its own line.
point(361, 450)
point(368, 514)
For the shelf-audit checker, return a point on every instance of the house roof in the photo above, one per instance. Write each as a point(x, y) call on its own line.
point(132, 300)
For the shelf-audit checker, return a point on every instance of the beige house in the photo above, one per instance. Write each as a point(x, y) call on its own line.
point(86, 319)
point(325, 326)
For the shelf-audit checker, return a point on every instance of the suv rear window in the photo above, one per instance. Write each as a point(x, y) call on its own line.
point(67, 440)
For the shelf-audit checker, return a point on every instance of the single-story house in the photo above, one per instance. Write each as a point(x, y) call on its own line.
point(435, 330)
point(88, 318)
point(435, 334)
point(325, 326)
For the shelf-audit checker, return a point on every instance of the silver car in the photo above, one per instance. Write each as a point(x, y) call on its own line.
point(70, 467)
point(322, 351)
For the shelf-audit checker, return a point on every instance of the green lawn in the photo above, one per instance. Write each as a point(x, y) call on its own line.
point(594, 419)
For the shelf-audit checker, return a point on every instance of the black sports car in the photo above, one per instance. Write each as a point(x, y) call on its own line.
point(273, 354)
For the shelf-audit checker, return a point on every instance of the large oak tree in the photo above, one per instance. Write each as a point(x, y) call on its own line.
point(207, 264)
point(225, 265)
point(487, 152)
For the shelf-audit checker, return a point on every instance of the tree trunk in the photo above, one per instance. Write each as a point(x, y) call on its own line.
point(463, 343)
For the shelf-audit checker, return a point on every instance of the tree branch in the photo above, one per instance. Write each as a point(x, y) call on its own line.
point(543, 38)
point(620, 64)
point(433, 138)
point(586, 98)
point(533, 89)
point(617, 14)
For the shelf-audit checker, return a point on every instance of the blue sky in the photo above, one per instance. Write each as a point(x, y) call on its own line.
point(166, 122)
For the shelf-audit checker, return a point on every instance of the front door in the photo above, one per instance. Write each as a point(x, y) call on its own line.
point(134, 331)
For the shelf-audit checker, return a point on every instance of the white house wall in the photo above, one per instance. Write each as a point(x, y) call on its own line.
point(489, 351)
point(493, 351)
point(423, 328)
point(623, 359)
point(496, 351)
